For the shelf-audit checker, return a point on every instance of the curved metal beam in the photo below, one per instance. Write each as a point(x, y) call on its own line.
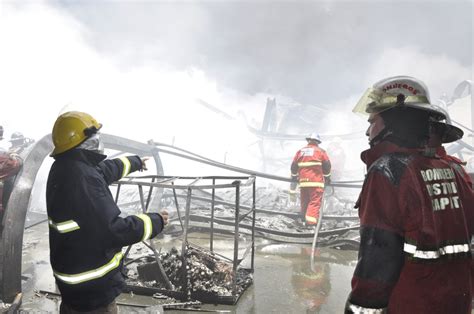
point(192, 156)
point(14, 220)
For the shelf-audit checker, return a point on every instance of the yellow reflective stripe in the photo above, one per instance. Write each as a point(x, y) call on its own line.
point(309, 164)
point(311, 219)
point(311, 184)
point(91, 274)
point(63, 227)
point(445, 250)
point(147, 226)
point(126, 166)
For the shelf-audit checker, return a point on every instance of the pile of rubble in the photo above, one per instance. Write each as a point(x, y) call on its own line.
point(202, 276)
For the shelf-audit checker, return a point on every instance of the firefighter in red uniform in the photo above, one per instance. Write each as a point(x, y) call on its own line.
point(442, 133)
point(87, 233)
point(416, 211)
point(10, 165)
point(312, 168)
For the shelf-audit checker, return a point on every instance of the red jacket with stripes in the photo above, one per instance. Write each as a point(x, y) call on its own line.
point(312, 164)
point(417, 216)
point(10, 165)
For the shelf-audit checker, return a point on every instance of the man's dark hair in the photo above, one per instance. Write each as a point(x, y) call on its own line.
point(409, 126)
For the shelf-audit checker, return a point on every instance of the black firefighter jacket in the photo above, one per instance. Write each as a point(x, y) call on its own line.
point(86, 233)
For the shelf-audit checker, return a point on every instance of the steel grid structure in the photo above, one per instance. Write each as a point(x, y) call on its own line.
point(189, 184)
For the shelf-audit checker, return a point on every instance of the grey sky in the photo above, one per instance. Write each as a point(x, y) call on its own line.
point(311, 51)
point(131, 63)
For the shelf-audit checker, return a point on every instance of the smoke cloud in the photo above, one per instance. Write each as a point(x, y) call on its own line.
point(145, 68)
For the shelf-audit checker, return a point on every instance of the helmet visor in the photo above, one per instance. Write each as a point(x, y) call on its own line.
point(376, 101)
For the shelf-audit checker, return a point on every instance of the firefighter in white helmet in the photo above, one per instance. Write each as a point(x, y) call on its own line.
point(416, 212)
point(312, 169)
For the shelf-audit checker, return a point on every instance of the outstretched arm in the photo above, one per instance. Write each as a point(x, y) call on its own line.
point(117, 168)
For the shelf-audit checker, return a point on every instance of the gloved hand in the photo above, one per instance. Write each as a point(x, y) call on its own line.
point(164, 215)
point(293, 186)
point(294, 183)
point(144, 160)
point(327, 180)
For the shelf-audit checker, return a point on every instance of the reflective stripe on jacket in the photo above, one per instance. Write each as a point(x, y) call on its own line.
point(416, 216)
point(86, 231)
point(312, 165)
point(74, 279)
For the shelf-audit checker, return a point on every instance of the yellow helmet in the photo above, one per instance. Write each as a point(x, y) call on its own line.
point(71, 129)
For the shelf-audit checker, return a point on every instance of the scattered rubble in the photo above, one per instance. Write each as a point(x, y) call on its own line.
point(202, 275)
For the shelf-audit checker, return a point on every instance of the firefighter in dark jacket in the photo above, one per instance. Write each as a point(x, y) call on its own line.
point(416, 212)
point(86, 233)
point(311, 168)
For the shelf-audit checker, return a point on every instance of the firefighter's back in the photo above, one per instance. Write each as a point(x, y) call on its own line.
point(438, 210)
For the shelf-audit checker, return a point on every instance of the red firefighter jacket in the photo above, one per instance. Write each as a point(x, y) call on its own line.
point(416, 217)
point(312, 165)
point(10, 164)
point(456, 163)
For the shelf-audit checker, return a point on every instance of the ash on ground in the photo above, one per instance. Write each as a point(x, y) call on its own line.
point(204, 275)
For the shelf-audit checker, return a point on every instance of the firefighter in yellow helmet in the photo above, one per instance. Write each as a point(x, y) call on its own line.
point(71, 129)
point(86, 232)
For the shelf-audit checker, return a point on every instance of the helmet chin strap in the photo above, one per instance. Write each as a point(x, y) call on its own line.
point(379, 137)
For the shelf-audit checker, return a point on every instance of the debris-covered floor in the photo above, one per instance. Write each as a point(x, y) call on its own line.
point(283, 282)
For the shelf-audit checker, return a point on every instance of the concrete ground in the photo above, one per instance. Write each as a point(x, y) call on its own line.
point(284, 279)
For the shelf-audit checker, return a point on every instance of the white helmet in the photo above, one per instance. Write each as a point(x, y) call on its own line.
point(397, 91)
point(314, 136)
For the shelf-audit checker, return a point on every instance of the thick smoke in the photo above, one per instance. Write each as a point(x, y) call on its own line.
point(146, 68)
point(314, 51)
